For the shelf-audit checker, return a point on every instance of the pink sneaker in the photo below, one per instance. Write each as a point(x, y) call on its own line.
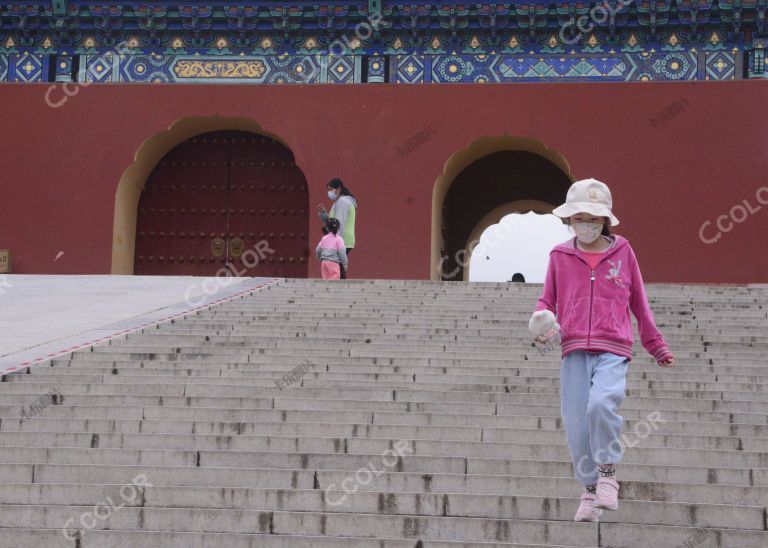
point(587, 510)
point(607, 494)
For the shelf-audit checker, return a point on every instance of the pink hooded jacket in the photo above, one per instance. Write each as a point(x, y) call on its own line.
point(593, 307)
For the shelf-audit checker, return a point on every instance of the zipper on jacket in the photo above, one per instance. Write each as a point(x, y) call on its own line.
point(592, 284)
point(591, 292)
point(608, 253)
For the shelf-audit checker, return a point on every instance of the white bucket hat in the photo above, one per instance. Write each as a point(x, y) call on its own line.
point(588, 196)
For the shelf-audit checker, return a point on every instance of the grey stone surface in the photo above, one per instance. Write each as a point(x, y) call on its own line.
point(379, 413)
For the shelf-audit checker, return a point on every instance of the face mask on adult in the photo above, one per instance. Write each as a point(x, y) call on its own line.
point(587, 232)
point(332, 195)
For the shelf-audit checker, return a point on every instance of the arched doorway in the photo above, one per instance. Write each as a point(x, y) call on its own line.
point(492, 178)
point(519, 243)
point(228, 201)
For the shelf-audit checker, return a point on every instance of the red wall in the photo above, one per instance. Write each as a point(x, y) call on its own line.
point(59, 168)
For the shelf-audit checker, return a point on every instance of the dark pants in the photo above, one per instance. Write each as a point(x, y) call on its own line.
point(344, 270)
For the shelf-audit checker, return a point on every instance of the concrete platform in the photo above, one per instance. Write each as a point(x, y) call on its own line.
point(43, 316)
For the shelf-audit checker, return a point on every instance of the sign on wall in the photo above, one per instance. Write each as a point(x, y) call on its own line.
point(5, 261)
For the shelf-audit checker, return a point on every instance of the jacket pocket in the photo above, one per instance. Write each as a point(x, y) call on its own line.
point(606, 322)
point(575, 317)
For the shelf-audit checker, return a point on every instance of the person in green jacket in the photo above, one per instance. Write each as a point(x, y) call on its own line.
point(345, 210)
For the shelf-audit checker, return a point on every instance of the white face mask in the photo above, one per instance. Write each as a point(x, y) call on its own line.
point(587, 232)
point(332, 195)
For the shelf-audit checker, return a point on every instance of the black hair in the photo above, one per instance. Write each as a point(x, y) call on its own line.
point(333, 225)
point(517, 277)
point(336, 184)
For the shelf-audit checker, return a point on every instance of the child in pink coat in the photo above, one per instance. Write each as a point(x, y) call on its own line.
point(593, 282)
point(332, 252)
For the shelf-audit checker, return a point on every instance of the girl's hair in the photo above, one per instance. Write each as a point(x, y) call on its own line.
point(336, 184)
point(333, 225)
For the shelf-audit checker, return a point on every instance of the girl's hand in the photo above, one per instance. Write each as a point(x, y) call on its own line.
point(321, 208)
point(668, 363)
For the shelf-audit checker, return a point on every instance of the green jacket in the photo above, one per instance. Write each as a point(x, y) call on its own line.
point(344, 209)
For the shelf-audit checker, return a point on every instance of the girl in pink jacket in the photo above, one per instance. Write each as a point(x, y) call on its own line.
point(593, 283)
point(332, 252)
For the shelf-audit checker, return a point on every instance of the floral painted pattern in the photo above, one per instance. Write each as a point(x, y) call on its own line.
point(614, 273)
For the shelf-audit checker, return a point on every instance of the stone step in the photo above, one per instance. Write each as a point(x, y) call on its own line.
point(34, 538)
point(380, 502)
point(371, 526)
point(121, 539)
point(531, 358)
point(133, 373)
point(383, 347)
point(54, 538)
point(312, 300)
point(699, 332)
point(96, 473)
point(639, 482)
point(453, 450)
point(296, 410)
point(310, 390)
point(288, 298)
point(442, 316)
point(528, 294)
point(319, 387)
point(664, 305)
point(306, 524)
point(300, 339)
point(244, 408)
point(270, 437)
point(473, 428)
point(516, 357)
point(331, 443)
point(706, 465)
point(544, 373)
point(682, 335)
point(525, 367)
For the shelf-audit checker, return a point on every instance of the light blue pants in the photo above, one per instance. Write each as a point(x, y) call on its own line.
point(592, 390)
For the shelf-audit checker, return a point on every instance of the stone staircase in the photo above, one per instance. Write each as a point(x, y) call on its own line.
point(386, 414)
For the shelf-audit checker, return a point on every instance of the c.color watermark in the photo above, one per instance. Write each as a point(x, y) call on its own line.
point(363, 31)
point(665, 115)
point(491, 238)
point(701, 534)
point(346, 45)
point(226, 275)
point(294, 375)
point(364, 476)
point(417, 140)
point(642, 430)
point(71, 89)
point(598, 15)
point(103, 510)
point(39, 406)
point(737, 214)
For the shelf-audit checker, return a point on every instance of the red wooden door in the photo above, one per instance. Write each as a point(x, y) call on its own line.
point(182, 210)
point(269, 203)
point(223, 202)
